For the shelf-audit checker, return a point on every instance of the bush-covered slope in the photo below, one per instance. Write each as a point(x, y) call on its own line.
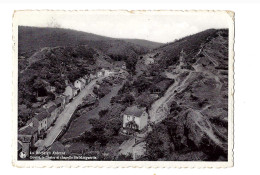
point(51, 67)
point(194, 110)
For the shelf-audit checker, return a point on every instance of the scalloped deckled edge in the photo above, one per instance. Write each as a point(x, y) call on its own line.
point(124, 164)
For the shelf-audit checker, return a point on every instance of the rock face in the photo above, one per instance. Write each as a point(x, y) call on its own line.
point(198, 102)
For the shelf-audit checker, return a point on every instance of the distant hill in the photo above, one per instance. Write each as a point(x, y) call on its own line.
point(32, 39)
point(144, 43)
point(35, 38)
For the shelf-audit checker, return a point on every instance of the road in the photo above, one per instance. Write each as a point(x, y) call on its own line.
point(66, 114)
point(81, 124)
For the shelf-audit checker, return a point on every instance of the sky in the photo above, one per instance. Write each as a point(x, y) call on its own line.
point(158, 26)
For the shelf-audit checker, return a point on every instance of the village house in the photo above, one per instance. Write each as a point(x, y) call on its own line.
point(42, 99)
point(100, 73)
point(60, 104)
point(42, 121)
point(62, 99)
point(48, 104)
point(28, 136)
point(75, 91)
point(149, 61)
point(70, 92)
point(79, 84)
point(87, 79)
point(50, 88)
point(134, 119)
point(45, 117)
point(105, 71)
point(36, 105)
point(120, 64)
point(53, 113)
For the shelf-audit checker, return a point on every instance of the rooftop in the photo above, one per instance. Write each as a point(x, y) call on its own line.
point(58, 100)
point(134, 110)
point(49, 104)
point(29, 130)
point(52, 108)
point(41, 115)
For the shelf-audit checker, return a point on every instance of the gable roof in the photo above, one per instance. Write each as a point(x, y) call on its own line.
point(52, 108)
point(29, 130)
point(34, 121)
point(134, 110)
point(49, 104)
point(41, 115)
point(58, 100)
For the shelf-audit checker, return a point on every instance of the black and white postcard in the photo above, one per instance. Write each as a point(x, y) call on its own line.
point(123, 88)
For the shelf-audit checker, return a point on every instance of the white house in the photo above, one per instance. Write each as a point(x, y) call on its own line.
point(120, 64)
point(42, 118)
point(100, 73)
point(106, 72)
point(134, 119)
point(79, 84)
point(53, 112)
point(149, 61)
point(70, 92)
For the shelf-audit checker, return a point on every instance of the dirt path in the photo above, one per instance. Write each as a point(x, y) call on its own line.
point(159, 108)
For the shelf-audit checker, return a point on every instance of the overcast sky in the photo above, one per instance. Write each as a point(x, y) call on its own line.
point(154, 26)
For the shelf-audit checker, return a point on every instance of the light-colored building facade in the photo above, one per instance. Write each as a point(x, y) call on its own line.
point(42, 120)
point(99, 73)
point(27, 136)
point(70, 92)
point(79, 84)
point(149, 61)
point(134, 119)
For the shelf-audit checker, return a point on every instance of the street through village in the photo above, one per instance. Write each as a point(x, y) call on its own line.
point(66, 115)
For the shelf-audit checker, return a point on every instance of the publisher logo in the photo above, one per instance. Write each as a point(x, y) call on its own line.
point(22, 155)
